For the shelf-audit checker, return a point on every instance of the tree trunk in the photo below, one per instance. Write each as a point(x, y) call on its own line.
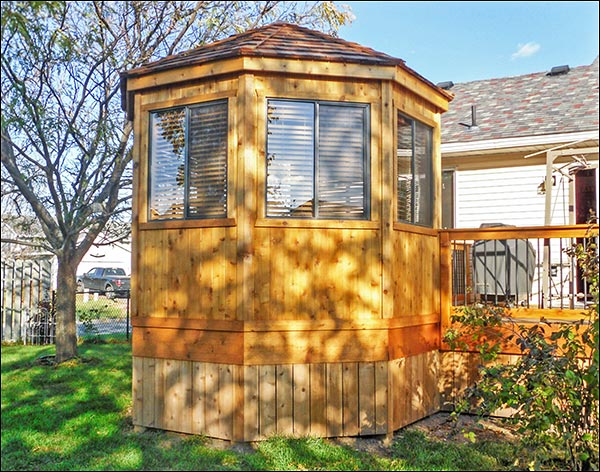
point(66, 327)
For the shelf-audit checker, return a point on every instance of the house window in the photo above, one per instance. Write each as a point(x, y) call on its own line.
point(414, 172)
point(317, 160)
point(188, 162)
point(448, 199)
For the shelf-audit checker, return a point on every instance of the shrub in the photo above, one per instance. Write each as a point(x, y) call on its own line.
point(553, 385)
point(90, 311)
point(97, 309)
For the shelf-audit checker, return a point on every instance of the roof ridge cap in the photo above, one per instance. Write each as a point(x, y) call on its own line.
point(520, 76)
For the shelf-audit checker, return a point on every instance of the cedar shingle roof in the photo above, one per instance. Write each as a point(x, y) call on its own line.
point(276, 40)
point(284, 41)
point(526, 105)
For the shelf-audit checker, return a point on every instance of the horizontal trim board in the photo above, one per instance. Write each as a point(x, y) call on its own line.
point(286, 346)
point(187, 223)
point(410, 228)
point(521, 232)
point(310, 68)
point(195, 345)
point(283, 325)
point(316, 223)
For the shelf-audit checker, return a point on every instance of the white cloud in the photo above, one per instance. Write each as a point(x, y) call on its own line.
point(526, 50)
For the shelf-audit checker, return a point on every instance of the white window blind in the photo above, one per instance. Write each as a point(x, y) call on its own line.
point(188, 162)
point(290, 159)
point(317, 160)
point(207, 158)
point(341, 163)
point(414, 172)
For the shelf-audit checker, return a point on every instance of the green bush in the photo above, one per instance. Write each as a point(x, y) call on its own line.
point(93, 310)
point(553, 385)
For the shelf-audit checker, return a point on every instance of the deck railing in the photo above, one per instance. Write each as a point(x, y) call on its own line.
point(526, 269)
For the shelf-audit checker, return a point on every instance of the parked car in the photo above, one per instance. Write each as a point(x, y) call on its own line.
point(110, 281)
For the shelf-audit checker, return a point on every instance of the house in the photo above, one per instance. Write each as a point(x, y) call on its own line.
point(523, 151)
point(285, 261)
point(28, 274)
point(504, 140)
point(112, 248)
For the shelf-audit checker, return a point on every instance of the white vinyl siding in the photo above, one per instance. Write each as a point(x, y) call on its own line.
point(509, 196)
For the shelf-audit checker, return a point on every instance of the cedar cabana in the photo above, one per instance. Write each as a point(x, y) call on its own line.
point(286, 266)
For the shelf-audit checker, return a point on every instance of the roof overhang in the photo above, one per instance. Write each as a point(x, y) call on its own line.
point(519, 144)
point(140, 80)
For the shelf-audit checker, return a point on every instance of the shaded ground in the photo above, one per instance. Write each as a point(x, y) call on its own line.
point(441, 427)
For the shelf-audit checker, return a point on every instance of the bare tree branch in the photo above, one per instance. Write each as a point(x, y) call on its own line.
point(66, 143)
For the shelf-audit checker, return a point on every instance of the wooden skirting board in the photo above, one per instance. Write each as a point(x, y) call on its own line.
point(253, 402)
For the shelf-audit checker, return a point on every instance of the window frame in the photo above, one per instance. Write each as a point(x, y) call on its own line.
point(316, 220)
point(188, 221)
point(431, 157)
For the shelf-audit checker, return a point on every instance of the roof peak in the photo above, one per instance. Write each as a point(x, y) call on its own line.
point(570, 70)
point(277, 40)
point(282, 43)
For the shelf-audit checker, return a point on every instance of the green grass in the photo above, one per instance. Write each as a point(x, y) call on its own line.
point(77, 416)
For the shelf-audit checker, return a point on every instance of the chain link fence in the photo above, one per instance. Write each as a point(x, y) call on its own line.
point(99, 319)
point(103, 318)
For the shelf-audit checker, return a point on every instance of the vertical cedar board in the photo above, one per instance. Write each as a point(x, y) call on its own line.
point(340, 399)
point(284, 399)
point(301, 397)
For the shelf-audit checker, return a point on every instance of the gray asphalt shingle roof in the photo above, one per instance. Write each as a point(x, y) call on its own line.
point(526, 105)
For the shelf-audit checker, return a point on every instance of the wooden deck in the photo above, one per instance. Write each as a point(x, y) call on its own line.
point(557, 293)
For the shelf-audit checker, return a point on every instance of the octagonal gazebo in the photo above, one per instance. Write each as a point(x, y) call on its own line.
point(285, 267)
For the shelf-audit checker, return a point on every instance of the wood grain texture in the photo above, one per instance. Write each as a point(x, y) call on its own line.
point(249, 403)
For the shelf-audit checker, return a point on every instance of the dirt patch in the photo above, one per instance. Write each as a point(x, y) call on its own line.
point(441, 427)
point(444, 426)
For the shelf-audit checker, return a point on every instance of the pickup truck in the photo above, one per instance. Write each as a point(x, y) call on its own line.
point(110, 281)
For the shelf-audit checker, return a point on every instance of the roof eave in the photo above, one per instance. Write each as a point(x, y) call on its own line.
point(474, 147)
point(141, 78)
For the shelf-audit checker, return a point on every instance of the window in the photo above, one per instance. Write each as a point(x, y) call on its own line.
point(317, 160)
point(188, 162)
point(414, 172)
point(448, 199)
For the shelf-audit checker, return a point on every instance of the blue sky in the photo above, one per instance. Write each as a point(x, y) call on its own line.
point(466, 41)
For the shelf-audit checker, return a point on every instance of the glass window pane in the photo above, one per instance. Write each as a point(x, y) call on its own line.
point(290, 159)
point(207, 161)
point(341, 162)
point(167, 164)
point(405, 171)
point(423, 208)
point(448, 199)
point(414, 172)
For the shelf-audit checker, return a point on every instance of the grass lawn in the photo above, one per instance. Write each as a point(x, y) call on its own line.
point(77, 416)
